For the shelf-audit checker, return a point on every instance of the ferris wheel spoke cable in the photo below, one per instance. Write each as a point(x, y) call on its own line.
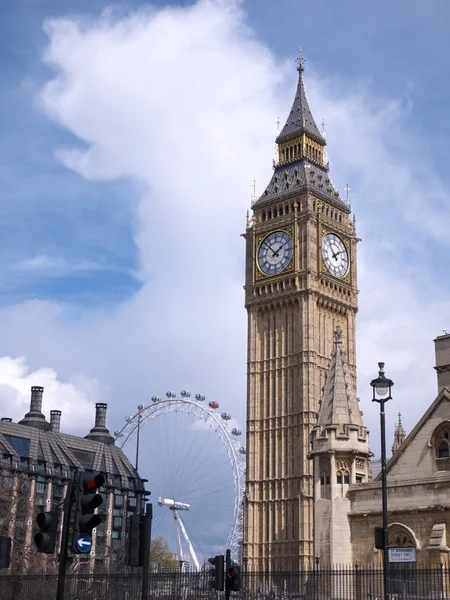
point(197, 476)
point(193, 458)
point(202, 480)
point(200, 464)
point(181, 473)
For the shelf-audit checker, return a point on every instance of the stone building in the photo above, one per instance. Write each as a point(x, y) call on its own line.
point(348, 501)
point(300, 284)
point(301, 299)
point(38, 461)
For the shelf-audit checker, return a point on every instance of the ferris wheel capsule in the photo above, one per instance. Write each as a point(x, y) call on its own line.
point(235, 431)
point(185, 394)
point(242, 450)
point(170, 394)
point(156, 398)
point(225, 416)
point(199, 397)
point(213, 405)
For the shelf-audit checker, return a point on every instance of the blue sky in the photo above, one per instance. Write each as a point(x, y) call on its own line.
point(130, 138)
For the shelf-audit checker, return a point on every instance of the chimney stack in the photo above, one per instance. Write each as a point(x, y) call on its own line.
point(100, 414)
point(55, 420)
point(442, 349)
point(36, 399)
point(35, 418)
point(99, 433)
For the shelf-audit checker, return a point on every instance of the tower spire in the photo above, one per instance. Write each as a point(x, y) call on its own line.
point(339, 405)
point(301, 161)
point(300, 119)
point(399, 434)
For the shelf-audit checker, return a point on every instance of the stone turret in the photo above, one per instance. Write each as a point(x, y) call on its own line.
point(340, 450)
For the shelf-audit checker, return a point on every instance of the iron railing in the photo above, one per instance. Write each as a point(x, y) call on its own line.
point(407, 582)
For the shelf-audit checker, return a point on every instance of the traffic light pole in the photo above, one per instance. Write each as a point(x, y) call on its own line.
point(64, 543)
point(227, 568)
point(146, 549)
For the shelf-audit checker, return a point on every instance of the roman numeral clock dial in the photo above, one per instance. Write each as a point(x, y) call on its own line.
point(335, 255)
point(275, 253)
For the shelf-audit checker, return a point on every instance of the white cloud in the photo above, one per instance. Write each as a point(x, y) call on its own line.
point(74, 398)
point(184, 101)
point(56, 266)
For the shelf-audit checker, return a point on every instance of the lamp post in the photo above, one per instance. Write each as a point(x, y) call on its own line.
point(382, 393)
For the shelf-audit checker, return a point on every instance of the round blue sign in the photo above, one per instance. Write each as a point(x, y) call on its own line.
point(83, 543)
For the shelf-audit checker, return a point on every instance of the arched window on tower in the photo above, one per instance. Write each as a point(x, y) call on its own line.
point(342, 475)
point(325, 472)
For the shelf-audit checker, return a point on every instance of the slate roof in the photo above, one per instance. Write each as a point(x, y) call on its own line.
point(297, 177)
point(29, 447)
point(300, 118)
point(339, 406)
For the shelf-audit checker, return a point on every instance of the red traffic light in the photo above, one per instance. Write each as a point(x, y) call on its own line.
point(87, 500)
point(93, 482)
point(232, 572)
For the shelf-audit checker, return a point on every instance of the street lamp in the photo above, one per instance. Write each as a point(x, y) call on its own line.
point(382, 393)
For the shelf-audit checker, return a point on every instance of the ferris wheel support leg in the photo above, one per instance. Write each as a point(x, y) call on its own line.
point(177, 537)
point(189, 545)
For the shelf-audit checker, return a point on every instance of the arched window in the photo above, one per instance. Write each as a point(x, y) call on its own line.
point(325, 471)
point(342, 474)
point(442, 449)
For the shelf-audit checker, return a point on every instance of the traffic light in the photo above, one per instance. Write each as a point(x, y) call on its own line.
point(217, 572)
point(45, 538)
point(135, 540)
point(5, 552)
point(86, 501)
point(233, 578)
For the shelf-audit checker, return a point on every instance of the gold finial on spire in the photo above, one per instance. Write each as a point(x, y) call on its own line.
point(300, 60)
point(338, 334)
point(278, 124)
point(347, 189)
point(323, 127)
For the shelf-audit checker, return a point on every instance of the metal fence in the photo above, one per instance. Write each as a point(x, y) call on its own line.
point(405, 583)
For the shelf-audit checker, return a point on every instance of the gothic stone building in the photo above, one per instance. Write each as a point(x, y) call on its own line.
point(348, 500)
point(301, 298)
point(38, 461)
point(300, 284)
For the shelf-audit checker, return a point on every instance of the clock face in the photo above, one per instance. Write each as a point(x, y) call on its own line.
point(275, 252)
point(335, 255)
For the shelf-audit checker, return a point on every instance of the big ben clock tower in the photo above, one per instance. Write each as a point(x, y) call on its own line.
point(300, 284)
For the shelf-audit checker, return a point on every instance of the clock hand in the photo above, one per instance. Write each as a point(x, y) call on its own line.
point(276, 253)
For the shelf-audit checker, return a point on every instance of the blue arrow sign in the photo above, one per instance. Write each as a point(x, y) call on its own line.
point(83, 543)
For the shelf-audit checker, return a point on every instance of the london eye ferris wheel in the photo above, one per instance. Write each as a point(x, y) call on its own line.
point(195, 467)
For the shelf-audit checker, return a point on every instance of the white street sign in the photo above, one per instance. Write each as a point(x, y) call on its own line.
point(400, 555)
